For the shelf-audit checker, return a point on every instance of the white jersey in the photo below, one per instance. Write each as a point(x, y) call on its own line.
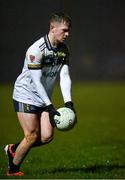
point(49, 61)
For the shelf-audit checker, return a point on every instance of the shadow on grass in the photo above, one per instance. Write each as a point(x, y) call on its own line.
point(92, 169)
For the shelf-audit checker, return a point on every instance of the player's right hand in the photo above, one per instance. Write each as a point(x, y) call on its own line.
point(51, 110)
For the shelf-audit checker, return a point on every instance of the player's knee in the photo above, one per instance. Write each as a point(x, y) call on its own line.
point(31, 137)
point(46, 139)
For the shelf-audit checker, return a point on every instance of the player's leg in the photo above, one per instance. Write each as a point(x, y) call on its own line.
point(20, 107)
point(11, 148)
point(30, 125)
point(47, 129)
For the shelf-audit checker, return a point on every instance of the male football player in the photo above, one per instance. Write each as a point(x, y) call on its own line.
point(33, 89)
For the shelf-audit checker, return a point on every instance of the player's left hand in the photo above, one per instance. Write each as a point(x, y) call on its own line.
point(70, 105)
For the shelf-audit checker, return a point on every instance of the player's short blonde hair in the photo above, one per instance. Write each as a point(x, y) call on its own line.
point(60, 17)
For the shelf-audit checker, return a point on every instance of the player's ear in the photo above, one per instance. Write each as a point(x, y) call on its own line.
point(52, 27)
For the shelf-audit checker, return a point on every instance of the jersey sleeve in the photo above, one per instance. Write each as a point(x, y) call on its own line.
point(65, 83)
point(66, 52)
point(34, 58)
point(66, 61)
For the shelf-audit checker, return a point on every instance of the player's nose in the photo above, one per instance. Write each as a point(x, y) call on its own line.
point(66, 34)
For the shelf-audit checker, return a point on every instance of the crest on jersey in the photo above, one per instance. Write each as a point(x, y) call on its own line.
point(32, 58)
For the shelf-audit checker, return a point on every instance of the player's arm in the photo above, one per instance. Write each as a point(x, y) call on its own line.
point(65, 85)
point(36, 75)
point(34, 58)
point(34, 65)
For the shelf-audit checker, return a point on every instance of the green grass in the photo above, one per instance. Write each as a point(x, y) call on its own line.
point(95, 148)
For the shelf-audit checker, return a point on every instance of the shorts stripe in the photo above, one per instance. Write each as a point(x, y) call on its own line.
point(21, 109)
point(27, 108)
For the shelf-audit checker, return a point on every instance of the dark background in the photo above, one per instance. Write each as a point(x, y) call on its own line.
point(96, 43)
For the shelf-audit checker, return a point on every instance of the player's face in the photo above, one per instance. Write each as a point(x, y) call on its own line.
point(61, 32)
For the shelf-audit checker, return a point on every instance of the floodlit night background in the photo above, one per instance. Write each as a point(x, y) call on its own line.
point(95, 147)
point(97, 41)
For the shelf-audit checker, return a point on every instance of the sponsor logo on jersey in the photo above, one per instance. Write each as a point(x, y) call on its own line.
point(54, 58)
point(61, 54)
point(49, 74)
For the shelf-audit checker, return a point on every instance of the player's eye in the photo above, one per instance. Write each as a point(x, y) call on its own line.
point(65, 30)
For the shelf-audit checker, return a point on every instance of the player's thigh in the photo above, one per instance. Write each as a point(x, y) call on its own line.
point(29, 122)
point(47, 129)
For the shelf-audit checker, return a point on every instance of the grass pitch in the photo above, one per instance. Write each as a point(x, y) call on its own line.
point(95, 148)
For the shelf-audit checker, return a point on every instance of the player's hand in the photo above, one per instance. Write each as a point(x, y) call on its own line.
point(70, 105)
point(52, 111)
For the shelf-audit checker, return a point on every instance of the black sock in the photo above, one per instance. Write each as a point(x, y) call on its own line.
point(14, 168)
point(14, 147)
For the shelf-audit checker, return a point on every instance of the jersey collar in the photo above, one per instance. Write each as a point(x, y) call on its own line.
point(48, 44)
